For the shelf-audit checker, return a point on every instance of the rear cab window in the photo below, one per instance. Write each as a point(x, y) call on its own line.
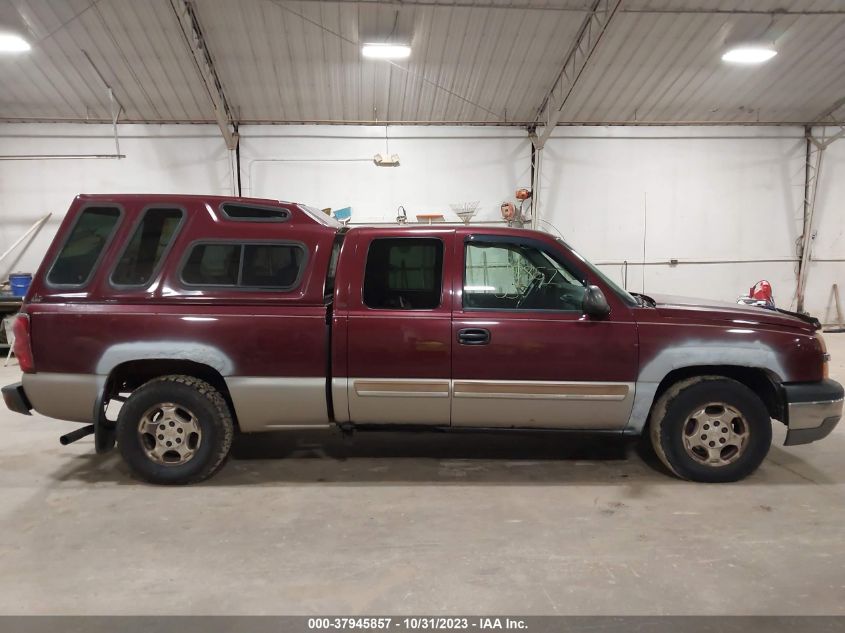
point(404, 273)
point(84, 247)
point(249, 265)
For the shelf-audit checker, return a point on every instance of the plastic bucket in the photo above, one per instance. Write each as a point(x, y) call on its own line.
point(20, 283)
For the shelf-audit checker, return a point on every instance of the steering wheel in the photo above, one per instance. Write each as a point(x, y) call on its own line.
point(532, 287)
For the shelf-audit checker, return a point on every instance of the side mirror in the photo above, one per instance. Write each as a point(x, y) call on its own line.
point(595, 303)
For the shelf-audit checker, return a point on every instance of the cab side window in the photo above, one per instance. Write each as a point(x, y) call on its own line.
point(404, 273)
point(512, 276)
point(87, 240)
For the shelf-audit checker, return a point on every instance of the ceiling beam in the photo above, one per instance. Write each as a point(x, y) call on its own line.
point(186, 14)
point(435, 122)
point(827, 115)
point(590, 33)
point(826, 119)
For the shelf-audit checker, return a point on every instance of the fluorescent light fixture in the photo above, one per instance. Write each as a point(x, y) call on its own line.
point(386, 51)
point(749, 54)
point(11, 43)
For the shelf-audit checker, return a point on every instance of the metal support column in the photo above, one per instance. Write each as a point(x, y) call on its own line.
point(535, 182)
point(816, 145)
point(812, 165)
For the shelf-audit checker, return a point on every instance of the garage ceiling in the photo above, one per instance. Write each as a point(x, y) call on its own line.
point(483, 61)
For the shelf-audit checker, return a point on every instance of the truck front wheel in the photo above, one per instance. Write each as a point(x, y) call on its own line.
point(710, 429)
point(175, 430)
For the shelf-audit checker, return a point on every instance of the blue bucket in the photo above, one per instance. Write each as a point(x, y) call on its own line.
point(20, 283)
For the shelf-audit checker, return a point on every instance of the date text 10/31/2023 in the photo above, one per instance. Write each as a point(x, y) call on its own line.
point(417, 623)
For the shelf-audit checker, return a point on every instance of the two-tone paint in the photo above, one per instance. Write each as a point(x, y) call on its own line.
point(317, 354)
point(269, 347)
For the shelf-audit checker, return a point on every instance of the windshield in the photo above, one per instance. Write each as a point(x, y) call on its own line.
point(621, 293)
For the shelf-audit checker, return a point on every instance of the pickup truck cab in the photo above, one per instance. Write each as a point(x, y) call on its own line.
point(197, 317)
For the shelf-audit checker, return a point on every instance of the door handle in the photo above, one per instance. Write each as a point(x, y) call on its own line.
point(474, 336)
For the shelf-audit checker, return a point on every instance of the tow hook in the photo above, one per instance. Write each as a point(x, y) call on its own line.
point(78, 434)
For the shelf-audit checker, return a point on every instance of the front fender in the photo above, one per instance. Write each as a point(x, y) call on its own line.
point(692, 354)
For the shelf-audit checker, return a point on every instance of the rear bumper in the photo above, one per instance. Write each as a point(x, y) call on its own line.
point(814, 410)
point(15, 398)
point(72, 397)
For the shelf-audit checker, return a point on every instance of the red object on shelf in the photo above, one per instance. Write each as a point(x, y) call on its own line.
point(762, 291)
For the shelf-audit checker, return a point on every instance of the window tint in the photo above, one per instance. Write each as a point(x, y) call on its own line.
point(86, 242)
point(271, 265)
point(518, 277)
point(146, 247)
point(276, 266)
point(404, 274)
point(213, 265)
point(254, 214)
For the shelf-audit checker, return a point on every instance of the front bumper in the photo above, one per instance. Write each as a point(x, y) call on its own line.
point(813, 410)
point(15, 398)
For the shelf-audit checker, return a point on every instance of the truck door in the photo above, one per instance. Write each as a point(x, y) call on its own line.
point(524, 353)
point(399, 341)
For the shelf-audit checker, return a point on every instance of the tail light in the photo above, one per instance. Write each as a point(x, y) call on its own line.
point(23, 343)
point(825, 356)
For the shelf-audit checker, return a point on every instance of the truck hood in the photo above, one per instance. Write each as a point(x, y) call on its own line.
point(707, 310)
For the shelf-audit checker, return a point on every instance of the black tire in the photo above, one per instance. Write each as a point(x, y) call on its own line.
point(671, 421)
point(211, 416)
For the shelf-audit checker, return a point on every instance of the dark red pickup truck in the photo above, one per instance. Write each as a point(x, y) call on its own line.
point(196, 317)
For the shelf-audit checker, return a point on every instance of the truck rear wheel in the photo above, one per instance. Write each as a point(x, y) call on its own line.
point(175, 430)
point(710, 429)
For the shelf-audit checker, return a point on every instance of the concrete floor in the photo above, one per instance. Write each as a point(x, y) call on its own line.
point(418, 524)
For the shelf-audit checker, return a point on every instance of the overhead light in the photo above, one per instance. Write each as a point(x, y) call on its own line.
point(749, 54)
point(386, 51)
point(11, 43)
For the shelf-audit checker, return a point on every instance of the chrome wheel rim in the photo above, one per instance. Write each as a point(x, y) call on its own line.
point(169, 434)
point(716, 435)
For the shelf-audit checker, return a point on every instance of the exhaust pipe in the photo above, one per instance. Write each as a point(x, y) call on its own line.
point(78, 434)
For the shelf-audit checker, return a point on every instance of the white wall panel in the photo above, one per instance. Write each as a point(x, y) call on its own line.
point(706, 194)
point(159, 159)
point(691, 194)
point(332, 166)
